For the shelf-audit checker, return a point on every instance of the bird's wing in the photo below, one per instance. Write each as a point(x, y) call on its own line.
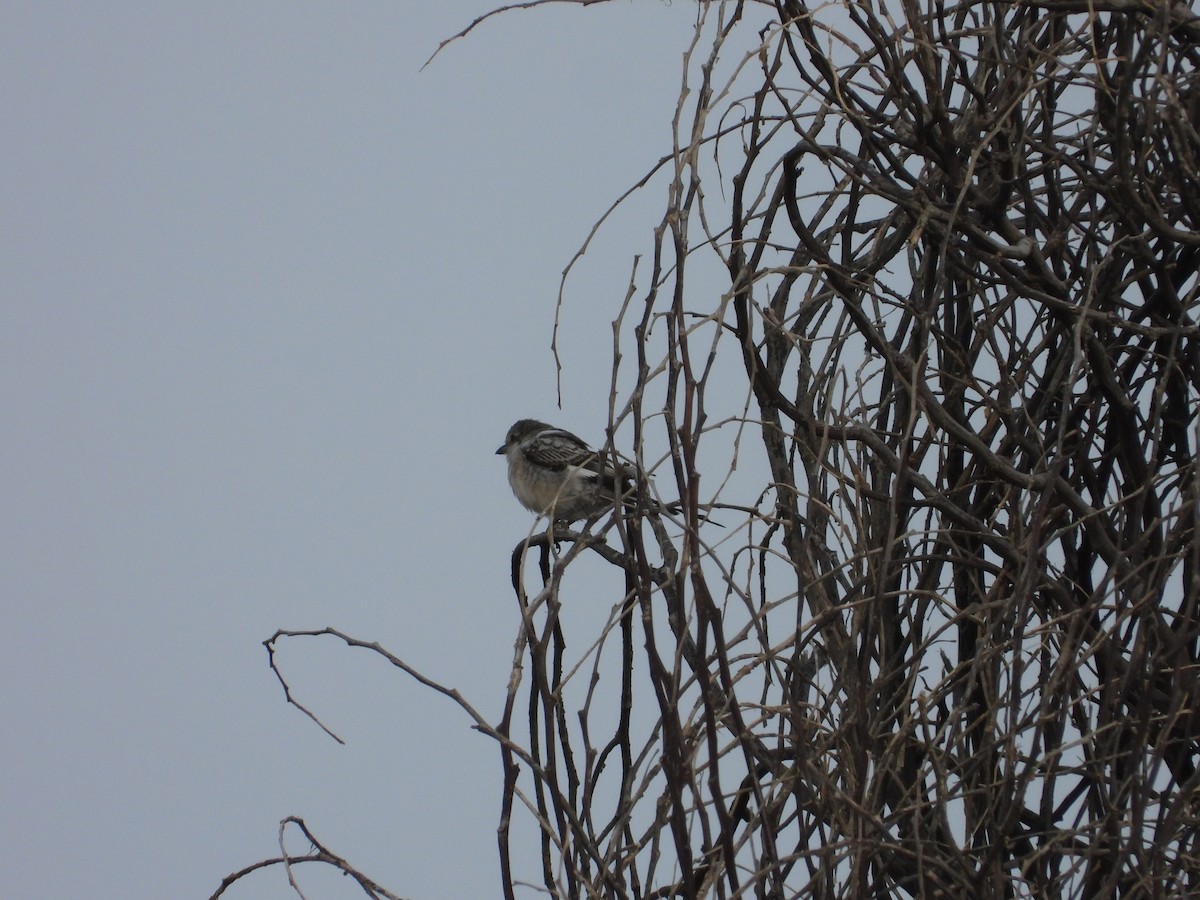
point(557, 449)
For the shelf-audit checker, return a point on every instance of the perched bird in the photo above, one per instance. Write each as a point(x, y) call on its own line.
point(555, 473)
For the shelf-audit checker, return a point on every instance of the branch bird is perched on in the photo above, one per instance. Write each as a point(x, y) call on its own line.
point(555, 473)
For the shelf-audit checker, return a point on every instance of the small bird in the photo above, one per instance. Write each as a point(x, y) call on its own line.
point(553, 472)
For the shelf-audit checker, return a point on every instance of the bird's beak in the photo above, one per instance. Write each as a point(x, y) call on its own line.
point(503, 447)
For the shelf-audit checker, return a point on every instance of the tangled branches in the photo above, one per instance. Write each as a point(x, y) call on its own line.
point(951, 647)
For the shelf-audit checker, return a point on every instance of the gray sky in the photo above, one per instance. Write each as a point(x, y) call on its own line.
point(271, 298)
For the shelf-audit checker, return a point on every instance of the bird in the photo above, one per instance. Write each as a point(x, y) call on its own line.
point(554, 472)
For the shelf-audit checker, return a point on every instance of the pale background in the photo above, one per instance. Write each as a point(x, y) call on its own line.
point(270, 297)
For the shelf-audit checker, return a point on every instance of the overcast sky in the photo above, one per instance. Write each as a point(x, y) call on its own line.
point(271, 296)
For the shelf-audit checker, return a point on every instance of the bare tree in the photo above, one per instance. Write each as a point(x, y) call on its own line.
point(920, 310)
